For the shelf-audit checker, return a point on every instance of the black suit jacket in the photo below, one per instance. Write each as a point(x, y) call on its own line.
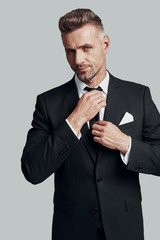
point(86, 183)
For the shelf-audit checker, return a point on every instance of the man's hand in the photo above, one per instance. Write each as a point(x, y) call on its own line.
point(110, 136)
point(87, 107)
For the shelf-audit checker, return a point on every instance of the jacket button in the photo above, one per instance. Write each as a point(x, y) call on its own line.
point(99, 179)
point(94, 210)
point(68, 146)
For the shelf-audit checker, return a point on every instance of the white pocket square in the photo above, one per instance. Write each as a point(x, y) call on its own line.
point(127, 118)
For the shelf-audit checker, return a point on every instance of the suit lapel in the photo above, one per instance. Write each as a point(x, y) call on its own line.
point(73, 98)
point(114, 108)
point(72, 95)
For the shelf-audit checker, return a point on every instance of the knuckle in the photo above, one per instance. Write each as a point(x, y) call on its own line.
point(84, 96)
point(102, 135)
point(108, 124)
point(103, 130)
point(102, 140)
point(88, 99)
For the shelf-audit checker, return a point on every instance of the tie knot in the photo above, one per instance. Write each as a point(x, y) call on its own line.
point(90, 89)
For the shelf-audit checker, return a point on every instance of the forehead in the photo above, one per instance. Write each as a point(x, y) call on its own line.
point(88, 34)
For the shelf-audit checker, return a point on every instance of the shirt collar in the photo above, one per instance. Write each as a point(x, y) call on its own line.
point(81, 85)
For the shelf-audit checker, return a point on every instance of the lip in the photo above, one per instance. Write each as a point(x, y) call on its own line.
point(82, 69)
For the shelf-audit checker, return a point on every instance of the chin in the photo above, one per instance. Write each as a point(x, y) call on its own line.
point(84, 78)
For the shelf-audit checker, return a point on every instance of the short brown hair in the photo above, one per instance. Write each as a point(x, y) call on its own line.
point(78, 18)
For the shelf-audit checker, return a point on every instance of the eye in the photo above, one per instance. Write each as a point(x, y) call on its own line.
point(69, 51)
point(87, 48)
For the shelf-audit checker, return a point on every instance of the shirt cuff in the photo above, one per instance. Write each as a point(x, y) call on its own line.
point(79, 135)
point(125, 158)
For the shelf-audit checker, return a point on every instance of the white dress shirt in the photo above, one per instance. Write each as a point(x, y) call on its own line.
point(104, 85)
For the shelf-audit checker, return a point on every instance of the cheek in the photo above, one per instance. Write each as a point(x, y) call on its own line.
point(100, 58)
point(97, 57)
point(91, 58)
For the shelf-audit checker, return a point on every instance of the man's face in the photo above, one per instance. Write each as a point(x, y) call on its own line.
point(85, 49)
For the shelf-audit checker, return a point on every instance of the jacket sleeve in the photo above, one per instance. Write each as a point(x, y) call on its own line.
point(46, 148)
point(145, 153)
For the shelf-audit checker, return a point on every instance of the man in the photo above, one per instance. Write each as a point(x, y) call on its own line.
point(96, 164)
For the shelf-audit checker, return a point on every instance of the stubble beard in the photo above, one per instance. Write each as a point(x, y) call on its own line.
point(88, 77)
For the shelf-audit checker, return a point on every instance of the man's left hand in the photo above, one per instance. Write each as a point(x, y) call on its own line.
point(110, 136)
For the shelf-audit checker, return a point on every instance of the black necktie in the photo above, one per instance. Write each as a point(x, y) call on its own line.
point(92, 121)
point(96, 118)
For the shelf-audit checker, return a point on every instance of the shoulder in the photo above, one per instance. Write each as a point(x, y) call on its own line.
point(127, 86)
point(61, 90)
point(127, 83)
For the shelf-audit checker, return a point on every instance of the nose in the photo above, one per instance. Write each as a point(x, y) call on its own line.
point(79, 57)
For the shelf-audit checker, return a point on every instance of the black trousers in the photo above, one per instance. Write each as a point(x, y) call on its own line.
point(100, 234)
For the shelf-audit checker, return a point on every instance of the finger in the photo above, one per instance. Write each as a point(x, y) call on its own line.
point(97, 139)
point(97, 98)
point(94, 99)
point(96, 133)
point(101, 123)
point(93, 92)
point(97, 126)
point(102, 102)
point(97, 104)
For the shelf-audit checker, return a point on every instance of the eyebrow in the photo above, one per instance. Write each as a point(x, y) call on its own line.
point(82, 46)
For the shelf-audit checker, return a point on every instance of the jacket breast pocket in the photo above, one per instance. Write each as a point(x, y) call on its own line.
point(127, 125)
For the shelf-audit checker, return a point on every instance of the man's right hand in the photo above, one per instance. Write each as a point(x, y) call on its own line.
point(87, 108)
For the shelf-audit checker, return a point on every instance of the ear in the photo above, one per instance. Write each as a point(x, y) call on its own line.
point(106, 43)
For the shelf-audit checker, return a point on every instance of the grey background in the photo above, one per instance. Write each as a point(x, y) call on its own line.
point(32, 60)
